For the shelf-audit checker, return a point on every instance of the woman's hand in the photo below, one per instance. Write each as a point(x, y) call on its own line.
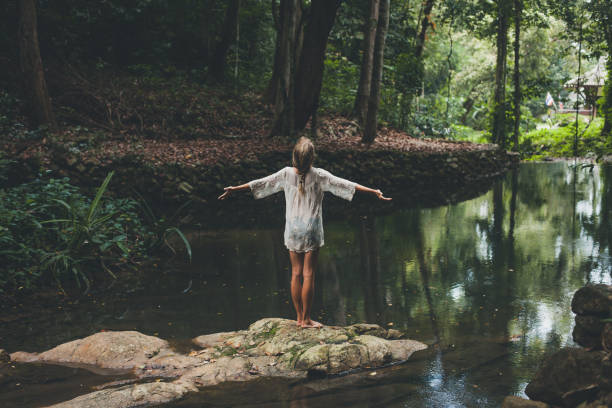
point(228, 191)
point(380, 195)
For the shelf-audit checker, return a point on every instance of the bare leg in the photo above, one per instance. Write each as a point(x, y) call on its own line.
point(297, 267)
point(310, 263)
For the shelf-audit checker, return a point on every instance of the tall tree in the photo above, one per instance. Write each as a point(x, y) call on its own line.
point(371, 121)
point(499, 99)
point(284, 70)
point(425, 24)
point(365, 79)
point(33, 74)
point(518, 11)
point(272, 89)
point(218, 64)
point(604, 17)
point(307, 41)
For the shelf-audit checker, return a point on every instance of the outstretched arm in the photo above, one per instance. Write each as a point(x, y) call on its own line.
point(231, 189)
point(377, 193)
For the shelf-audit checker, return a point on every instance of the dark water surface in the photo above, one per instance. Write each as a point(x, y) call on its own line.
point(488, 282)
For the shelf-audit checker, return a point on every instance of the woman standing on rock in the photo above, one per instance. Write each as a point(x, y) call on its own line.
point(304, 187)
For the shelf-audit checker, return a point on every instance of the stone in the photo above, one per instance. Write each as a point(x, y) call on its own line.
point(513, 401)
point(606, 337)
point(593, 299)
point(212, 340)
point(4, 357)
point(590, 324)
point(269, 348)
point(139, 395)
point(586, 339)
point(552, 381)
point(122, 350)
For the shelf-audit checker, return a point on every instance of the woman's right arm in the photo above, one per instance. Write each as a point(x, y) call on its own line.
point(231, 189)
point(260, 188)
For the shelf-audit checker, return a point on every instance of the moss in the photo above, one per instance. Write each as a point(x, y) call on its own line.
point(226, 351)
point(268, 334)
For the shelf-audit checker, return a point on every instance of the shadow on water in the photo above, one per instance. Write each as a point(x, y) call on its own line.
point(487, 282)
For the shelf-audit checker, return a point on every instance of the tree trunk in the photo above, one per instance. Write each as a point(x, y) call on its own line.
point(272, 88)
point(369, 133)
point(425, 23)
point(32, 71)
point(518, 10)
point(219, 60)
point(309, 74)
point(309, 43)
point(363, 92)
point(606, 131)
point(284, 106)
point(499, 107)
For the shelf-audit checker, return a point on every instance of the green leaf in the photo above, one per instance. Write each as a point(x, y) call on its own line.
point(184, 238)
point(96, 201)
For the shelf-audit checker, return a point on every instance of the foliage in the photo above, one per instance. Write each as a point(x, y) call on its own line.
point(559, 141)
point(50, 231)
point(340, 80)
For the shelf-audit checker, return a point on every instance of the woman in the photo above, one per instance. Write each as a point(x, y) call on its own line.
point(304, 187)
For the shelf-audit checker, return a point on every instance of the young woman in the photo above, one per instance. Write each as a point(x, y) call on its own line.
point(304, 187)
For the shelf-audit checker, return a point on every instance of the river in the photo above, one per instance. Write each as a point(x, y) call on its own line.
point(487, 282)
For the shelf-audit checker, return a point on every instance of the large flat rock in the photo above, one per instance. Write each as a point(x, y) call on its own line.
point(268, 348)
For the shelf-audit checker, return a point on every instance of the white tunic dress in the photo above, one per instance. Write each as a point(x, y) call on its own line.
point(303, 211)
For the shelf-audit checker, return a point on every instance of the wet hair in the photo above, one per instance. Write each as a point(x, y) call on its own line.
point(302, 158)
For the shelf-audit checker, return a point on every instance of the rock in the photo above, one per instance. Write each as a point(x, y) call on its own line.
point(122, 350)
point(513, 401)
point(574, 397)
point(4, 357)
point(269, 348)
point(590, 324)
point(606, 337)
point(139, 395)
point(554, 385)
point(586, 339)
point(212, 340)
point(593, 299)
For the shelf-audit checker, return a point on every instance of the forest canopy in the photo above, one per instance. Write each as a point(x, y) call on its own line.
point(470, 69)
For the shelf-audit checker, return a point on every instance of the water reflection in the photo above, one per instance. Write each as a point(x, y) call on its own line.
point(487, 281)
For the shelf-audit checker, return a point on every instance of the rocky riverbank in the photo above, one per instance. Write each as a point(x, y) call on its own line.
point(269, 348)
point(197, 170)
point(578, 377)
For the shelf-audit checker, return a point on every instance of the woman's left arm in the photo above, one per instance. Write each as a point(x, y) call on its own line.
point(377, 193)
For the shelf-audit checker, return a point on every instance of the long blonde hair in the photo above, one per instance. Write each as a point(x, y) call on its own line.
point(302, 158)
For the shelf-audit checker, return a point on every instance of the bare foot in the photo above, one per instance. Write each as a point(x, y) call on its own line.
point(299, 322)
point(311, 323)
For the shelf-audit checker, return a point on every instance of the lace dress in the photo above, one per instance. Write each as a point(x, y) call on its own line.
point(303, 211)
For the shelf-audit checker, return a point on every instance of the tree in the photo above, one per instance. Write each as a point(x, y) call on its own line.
point(425, 23)
point(218, 63)
point(34, 83)
point(377, 71)
point(365, 79)
point(304, 35)
point(499, 99)
point(518, 10)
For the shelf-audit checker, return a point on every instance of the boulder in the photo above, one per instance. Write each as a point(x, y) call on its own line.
point(590, 324)
point(513, 401)
point(268, 348)
point(586, 339)
point(122, 350)
point(553, 383)
point(593, 300)
point(606, 337)
point(139, 395)
point(4, 357)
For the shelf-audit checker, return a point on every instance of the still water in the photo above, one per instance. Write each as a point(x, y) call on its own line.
point(487, 282)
